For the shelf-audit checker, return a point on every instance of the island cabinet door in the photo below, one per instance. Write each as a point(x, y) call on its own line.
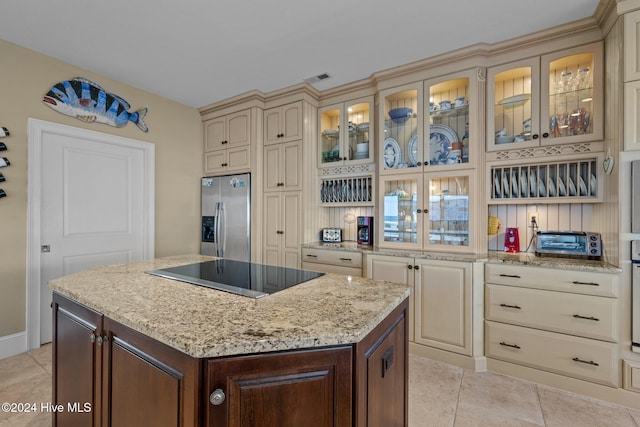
point(381, 373)
point(147, 383)
point(310, 388)
point(76, 363)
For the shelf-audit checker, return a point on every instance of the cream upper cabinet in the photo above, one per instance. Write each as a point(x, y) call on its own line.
point(632, 80)
point(282, 166)
point(283, 123)
point(552, 99)
point(451, 135)
point(430, 125)
point(228, 131)
point(345, 130)
point(632, 46)
point(400, 129)
point(431, 211)
point(228, 143)
point(227, 160)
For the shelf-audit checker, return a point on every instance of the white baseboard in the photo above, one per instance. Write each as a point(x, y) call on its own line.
point(10, 345)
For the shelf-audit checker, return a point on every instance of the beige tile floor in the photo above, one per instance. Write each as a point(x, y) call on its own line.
point(440, 395)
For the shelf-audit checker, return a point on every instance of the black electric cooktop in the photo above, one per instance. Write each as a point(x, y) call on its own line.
point(238, 277)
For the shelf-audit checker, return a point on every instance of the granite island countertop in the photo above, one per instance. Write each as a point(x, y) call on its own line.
point(202, 322)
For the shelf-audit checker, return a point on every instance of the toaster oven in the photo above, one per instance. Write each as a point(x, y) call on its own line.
point(333, 235)
point(569, 243)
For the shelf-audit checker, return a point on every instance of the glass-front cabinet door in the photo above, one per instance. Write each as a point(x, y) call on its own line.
point(448, 219)
point(571, 107)
point(430, 211)
point(400, 129)
point(553, 99)
point(513, 99)
point(344, 133)
point(401, 208)
point(448, 121)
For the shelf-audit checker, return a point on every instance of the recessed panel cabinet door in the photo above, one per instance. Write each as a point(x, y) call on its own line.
point(76, 362)
point(310, 388)
point(292, 121)
point(443, 304)
point(238, 128)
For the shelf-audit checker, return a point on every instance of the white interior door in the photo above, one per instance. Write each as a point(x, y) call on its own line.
point(95, 206)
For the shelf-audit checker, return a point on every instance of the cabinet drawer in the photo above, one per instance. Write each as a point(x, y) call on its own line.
point(335, 269)
point(342, 258)
point(582, 315)
point(579, 282)
point(576, 357)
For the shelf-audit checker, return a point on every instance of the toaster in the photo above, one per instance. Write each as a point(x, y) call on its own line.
point(333, 235)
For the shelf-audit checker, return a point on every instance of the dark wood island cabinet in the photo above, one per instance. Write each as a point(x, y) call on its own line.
point(129, 378)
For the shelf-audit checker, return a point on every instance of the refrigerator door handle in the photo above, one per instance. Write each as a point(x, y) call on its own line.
point(220, 224)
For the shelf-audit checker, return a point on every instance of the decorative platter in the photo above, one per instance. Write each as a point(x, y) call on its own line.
point(412, 150)
point(392, 154)
point(440, 139)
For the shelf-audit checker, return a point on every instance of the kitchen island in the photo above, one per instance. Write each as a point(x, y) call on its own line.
point(146, 350)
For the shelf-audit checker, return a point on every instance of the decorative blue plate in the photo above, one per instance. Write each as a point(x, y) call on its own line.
point(391, 153)
point(440, 139)
point(412, 150)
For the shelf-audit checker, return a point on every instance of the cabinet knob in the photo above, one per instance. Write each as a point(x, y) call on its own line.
point(217, 397)
point(545, 135)
point(224, 164)
point(419, 211)
point(100, 340)
point(416, 267)
point(419, 163)
point(535, 136)
point(92, 337)
point(410, 266)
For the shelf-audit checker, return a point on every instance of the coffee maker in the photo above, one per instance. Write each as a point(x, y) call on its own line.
point(365, 230)
point(511, 240)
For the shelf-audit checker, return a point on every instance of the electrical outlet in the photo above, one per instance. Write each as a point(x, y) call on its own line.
point(532, 219)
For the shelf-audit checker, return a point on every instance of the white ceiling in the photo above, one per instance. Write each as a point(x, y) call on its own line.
point(198, 52)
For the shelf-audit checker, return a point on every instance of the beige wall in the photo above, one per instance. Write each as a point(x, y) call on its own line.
point(175, 129)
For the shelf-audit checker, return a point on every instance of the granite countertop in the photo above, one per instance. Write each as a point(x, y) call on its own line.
point(202, 322)
point(493, 257)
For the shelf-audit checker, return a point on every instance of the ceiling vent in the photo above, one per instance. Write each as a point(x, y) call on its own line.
point(316, 79)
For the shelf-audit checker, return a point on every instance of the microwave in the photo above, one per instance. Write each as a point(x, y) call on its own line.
point(569, 243)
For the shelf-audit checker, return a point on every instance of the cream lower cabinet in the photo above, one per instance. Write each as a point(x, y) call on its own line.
point(558, 321)
point(282, 228)
point(441, 305)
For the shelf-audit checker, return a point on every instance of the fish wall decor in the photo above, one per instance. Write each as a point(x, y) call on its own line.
point(87, 101)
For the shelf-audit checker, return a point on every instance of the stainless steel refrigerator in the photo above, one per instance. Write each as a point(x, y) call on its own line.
point(226, 217)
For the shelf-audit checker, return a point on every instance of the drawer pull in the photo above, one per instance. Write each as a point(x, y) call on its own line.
point(510, 345)
point(576, 282)
point(511, 306)
point(588, 362)
point(346, 259)
point(312, 256)
point(577, 316)
point(513, 276)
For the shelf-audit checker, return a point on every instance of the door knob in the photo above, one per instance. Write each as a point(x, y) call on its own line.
point(217, 397)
